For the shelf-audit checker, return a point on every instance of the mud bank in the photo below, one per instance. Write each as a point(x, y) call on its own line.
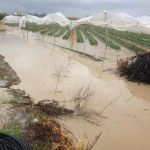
point(2, 28)
point(20, 117)
point(8, 76)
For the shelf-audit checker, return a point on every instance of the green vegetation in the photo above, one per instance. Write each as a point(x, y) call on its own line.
point(8, 101)
point(85, 30)
point(50, 29)
point(2, 16)
point(143, 39)
point(91, 39)
point(36, 28)
point(13, 130)
point(61, 32)
point(134, 41)
point(79, 36)
point(110, 43)
point(12, 24)
point(130, 46)
point(51, 33)
point(57, 31)
point(117, 37)
point(67, 35)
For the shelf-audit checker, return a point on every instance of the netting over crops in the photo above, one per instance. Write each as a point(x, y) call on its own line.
point(119, 21)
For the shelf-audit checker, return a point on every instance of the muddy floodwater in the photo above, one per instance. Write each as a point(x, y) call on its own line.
point(118, 108)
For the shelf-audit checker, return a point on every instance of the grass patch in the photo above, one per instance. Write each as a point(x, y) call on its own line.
point(8, 101)
point(13, 131)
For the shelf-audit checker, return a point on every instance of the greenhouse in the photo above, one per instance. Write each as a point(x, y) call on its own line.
point(11, 19)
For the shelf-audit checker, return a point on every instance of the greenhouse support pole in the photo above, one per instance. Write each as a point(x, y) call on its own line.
point(72, 30)
point(54, 35)
point(54, 32)
point(27, 35)
point(139, 28)
point(85, 38)
point(107, 39)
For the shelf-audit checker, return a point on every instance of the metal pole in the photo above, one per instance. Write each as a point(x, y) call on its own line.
point(72, 30)
point(54, 32)
point(85, 38)
point(106, 38)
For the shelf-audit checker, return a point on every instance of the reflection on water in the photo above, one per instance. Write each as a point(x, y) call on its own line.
point(118, 108)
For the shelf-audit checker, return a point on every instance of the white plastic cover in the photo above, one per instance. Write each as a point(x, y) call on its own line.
point(56, 18)
point(83, 20)
point(118, 21)
point(11, 19)
point(50, 18)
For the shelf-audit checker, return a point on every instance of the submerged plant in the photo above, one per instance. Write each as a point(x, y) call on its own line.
point(82, 95)
point(61, 71)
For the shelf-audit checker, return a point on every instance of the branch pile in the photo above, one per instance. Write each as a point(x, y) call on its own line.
point(52, 108)
point(136, 68)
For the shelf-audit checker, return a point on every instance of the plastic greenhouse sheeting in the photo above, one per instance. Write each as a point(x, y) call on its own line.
point(56, 18)
point(145, 20)
point(83, 20)
point(50, 18)
point(11, 19)
point(118, 21)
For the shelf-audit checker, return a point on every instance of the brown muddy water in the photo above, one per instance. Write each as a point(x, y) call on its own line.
point(119, 109)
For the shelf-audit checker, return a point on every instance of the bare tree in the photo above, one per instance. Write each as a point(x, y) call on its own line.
point(82, 95)
point(61, 72)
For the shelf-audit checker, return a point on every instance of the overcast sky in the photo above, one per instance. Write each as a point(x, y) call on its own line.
point(77, 7)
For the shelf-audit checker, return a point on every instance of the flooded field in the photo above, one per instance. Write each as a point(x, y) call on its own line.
point(117, 108)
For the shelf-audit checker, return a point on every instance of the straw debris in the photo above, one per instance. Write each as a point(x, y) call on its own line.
point(47, 130)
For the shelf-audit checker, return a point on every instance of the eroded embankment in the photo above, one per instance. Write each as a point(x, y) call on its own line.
point(20, 117)
point(2, 28)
